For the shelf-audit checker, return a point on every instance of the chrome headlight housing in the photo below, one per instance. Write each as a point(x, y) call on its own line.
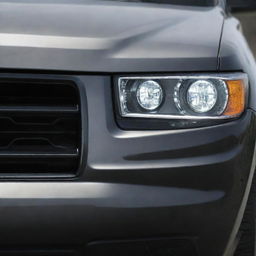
point(182, 100)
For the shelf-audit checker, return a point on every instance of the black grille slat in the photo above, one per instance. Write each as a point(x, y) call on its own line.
point(39, 109)
point(38, 154)
point(40, 127)
point(37, 123)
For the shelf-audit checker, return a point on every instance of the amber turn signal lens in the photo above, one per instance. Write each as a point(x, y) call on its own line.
point(236, 101)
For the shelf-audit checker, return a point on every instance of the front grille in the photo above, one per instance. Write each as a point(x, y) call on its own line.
point(21, 251)
point(39, 126)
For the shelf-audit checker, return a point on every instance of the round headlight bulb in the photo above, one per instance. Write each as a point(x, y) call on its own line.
point(202, 96)
point(149, 95)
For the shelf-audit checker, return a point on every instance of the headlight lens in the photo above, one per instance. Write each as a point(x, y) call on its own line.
point(192, 97)
point(149, 95)
point(202, 96)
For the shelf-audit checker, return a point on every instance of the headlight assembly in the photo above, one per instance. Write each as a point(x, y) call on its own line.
point(183, 101)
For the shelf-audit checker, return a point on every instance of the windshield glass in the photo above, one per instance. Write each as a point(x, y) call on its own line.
point(178, 2)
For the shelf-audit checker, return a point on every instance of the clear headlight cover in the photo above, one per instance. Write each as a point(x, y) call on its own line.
point(149, 95)
point(202, 96)
point(184, 97)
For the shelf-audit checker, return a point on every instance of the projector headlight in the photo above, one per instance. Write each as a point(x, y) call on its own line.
point(202, 96)
point(149, 95)
point(185, 101)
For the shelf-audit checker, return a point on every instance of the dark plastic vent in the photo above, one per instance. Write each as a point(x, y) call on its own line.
point(39, 127)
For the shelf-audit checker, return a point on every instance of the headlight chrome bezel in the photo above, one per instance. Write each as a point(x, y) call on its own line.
point(224, 77)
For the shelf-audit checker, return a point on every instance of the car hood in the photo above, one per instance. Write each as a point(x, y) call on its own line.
point(108, 36)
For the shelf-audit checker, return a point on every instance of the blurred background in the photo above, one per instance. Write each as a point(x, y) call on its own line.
point(245, 11)
point(248, 20)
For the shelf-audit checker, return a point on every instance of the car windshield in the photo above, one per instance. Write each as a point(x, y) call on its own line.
point(177, 2)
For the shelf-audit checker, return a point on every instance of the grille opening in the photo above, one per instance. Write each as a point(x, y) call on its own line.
point(36, 93)
point(41, 251)
point(40, 127)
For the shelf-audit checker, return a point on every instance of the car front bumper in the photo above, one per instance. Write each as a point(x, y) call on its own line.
point(136, 186)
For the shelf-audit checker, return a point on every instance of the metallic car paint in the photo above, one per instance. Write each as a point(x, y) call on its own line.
point(135, 184)
point(105, 36)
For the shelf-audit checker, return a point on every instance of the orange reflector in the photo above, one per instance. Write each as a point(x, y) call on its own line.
point(236, 101)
